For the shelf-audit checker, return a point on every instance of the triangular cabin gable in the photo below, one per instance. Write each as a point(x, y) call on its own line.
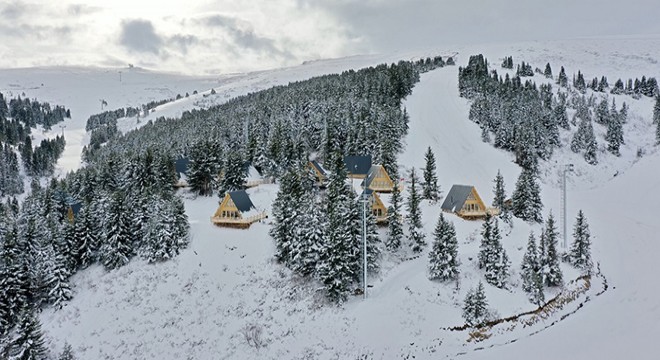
point(73, 211)
point(319, 172)
point(378, 180)
point(464, 201)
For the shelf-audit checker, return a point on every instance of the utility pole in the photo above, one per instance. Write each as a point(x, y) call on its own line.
point(119, 75)
point(364, 239)
point(567, 168)
point(62, 127)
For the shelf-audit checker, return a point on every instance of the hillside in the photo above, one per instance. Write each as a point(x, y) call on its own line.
point(225, 297)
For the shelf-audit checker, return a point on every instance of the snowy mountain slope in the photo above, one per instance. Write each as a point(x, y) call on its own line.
point(218, 295)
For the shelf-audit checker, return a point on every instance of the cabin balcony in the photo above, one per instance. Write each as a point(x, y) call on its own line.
point(238, 223)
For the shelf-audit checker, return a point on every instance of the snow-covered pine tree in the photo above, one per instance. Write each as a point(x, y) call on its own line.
point(550, 260)
point(614, 135)
point(233, 174)
point(584, 139)
point(14, 280)
point(394, 220)
point(656, 110)
point(336, 268)
point(117, 249)
point(310, 229)
point(56, 279)
point(531, 273)
point(28, 343)
point(475, 306)
point(548, 71)
point(580, 254)
point(430, 188)
point(286, 208)
point(414, 217)
point(526, 199)
point(181, 231)
point(443, 258)
point(562, 79)
point(67, 353)
point(499, 193)
point(496, 261)
point(203, 168)
point(158, 232)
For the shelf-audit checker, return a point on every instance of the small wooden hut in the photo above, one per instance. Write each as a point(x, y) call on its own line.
point(320, 174)
point(464, 201)
point(73, 210)
point(236, 210)
point(181, 168)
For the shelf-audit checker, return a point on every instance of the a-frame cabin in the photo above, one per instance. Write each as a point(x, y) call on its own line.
point(464, 201)
point(236, 210)
point(73, 210)
point(181, 168)
point(376, 206)
point(357, 167)
point(378, 180)
point(320, 174)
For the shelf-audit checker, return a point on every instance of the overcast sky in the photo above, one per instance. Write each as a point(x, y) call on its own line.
point(220, 36)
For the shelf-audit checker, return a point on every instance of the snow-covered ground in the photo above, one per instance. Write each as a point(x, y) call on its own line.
point(224, 297)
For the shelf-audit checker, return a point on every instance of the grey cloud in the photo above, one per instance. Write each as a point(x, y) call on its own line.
point(40, 32)
point(13, 10)
point(243, 36)
point(82, 9)
point(140, 36)
point(182, 42)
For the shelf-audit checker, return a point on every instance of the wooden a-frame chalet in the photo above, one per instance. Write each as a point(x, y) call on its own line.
point(378, 180)
point(320, 174)
point(464, 201)
point(236, 210)
point(181, 168)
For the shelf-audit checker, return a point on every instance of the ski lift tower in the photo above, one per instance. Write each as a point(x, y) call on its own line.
point(567, 168)
point(364, 240)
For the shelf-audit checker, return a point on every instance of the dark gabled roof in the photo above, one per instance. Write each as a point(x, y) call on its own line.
point(318, 167)
point(456, 198)
point(181, 166)
point(241, 200)
point(75, 207)
point(359, 164)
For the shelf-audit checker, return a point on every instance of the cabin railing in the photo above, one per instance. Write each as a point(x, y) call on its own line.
point(234, 220)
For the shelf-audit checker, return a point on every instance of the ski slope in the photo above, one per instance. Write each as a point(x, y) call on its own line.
point(225, 298)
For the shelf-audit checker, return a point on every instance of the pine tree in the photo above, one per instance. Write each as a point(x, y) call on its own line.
point(14, 280)
point(336, 268)
point(430, 189)
point(656, 110)
point(67, 353)
point(548, 71)
point(159, 232)
point(443, 258)
point(414, 217)
point(394, 220)
point(203, 168)
point(118, 247)
point(28, 343)
point(233, 174)
point(562, 79)
point(56, 278)
point(288, 206)
point(310, 229)
point(475, 306)
point(492, 256)
point(499, 193)
point(614, 135)
point(584, 139)
point(86, 232)
point(526, 199)
point(580, 254)
point(531, 273)
point(550, 259)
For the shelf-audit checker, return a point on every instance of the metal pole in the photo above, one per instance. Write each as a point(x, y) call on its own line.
point(364, 241)
point(567, 168)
